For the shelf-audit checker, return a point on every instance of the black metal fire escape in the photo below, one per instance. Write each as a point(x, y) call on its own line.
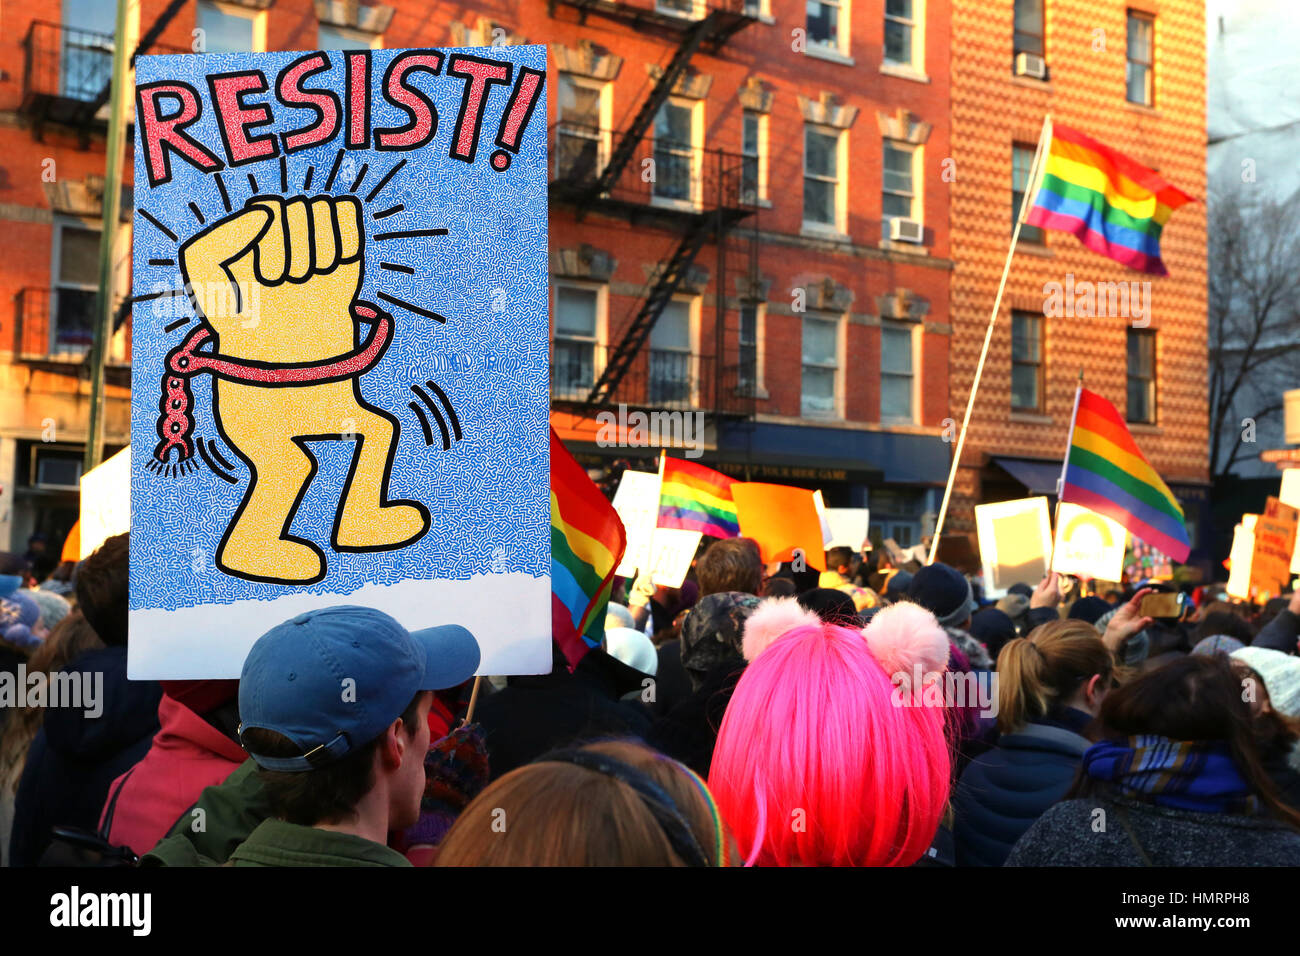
point(720, 21)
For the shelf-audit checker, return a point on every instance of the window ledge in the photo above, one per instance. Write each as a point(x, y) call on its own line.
point(817, 230)
point(758, 392)
point(1142, 108)
point(767, 19)
point(1146, 428)
point(1035, 249)
point(1030, 83)
point(1031, 418)
point(819, 52)
point(904, 72)
point(907, 248)
point(685, 205)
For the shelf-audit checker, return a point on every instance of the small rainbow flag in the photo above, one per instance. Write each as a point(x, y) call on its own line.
point(587, 543)
point(1106, 471)
point(696, 498)
point(1113, 204)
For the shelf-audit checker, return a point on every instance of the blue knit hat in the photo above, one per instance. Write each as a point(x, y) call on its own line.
point(943, 591)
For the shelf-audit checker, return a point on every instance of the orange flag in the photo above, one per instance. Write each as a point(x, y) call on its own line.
point(781, 519)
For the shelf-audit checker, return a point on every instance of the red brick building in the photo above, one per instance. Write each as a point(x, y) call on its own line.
point(750, 220)
point(1131, 74)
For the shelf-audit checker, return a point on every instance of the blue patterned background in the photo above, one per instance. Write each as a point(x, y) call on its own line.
point(489, 494)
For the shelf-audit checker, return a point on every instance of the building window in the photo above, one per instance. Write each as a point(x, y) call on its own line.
point(896, 375)
point(821, 363)
point(898, 197)
point(828, 25)
point(821, 177)
point(749, 377)
point(76, 288)
point(330, 37)
point(1022, 159)
point(900, 25)
point(754, 149)
point(675, 152)
point(88, 40)
point(1141, 376)
point(1026, 361)
point(582, 134)
point(1139, 70)
point(694, 9)
point(671, 358)
point(1028, 37)
point(576, 358)
point(230, 29)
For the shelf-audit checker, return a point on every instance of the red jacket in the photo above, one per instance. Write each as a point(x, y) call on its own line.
point(187, 755)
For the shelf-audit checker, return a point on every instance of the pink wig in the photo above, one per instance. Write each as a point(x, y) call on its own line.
point(817, 762)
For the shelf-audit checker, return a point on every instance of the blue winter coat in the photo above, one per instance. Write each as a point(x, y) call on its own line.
point(1004, 790)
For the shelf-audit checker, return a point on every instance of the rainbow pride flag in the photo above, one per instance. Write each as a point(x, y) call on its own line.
point(587, 543)
point(1111, 203)
point(1107, 472)
point(696, 498)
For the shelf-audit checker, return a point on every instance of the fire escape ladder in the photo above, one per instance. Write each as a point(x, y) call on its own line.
point(661, 293)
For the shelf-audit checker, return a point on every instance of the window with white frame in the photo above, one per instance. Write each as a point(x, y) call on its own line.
point(230, 29)
point(897, 374)
point(671, 357)
point(576, 358)
point(901, 32)
point(330, 37)
point(823, 195)
point(898, 182)
point(749, 378)
point(1026, 361)
point(828, 25)
point(821, 364)
point(754, 149)
point(582, 135)
point(76, 287)
point(676, 153)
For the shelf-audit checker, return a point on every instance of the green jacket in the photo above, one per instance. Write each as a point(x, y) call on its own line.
point(231, 811)
point(276, 843)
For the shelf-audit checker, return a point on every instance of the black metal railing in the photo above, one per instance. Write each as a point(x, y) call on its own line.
point(662, 172)
point(659, 378)
point(57, 325)
point(66, 69)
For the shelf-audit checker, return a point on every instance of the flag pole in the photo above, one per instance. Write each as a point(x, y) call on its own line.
point(1035, 170)
point(1060, 482)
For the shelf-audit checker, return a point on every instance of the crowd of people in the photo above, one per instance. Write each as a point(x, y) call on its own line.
point(756, 715)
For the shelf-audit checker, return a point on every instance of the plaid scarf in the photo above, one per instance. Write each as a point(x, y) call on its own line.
point(1181, 775)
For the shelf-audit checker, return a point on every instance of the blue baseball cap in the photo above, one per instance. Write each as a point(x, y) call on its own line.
point(332, 680)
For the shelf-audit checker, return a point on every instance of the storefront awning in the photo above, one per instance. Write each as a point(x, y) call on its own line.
point(1038, 477)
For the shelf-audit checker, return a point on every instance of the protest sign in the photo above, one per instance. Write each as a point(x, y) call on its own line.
point(105, 503)
point(1270, 563)
point(637, 504)
point(783, 520)
point(1088, 544)
point(341, 312)
point(1015, 538)
point(671, 553)
point(1239, 559)
point(848, 528)
point(1290, 495)
point(820, 504)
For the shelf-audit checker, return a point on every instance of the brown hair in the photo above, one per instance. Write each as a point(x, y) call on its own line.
point(1194, 698)
point(103, 586)
point(552, 813)
point(732, 564)
point(69, 639)
point(327, 794)
point(1039, 673)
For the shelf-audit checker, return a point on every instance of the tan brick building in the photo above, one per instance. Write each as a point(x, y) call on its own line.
point(1132, 75)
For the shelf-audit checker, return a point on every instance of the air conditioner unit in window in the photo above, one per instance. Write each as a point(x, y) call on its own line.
point(906, 230)
point(1031, 64)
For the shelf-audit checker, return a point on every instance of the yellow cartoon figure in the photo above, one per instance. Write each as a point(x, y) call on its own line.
point(276, 284)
